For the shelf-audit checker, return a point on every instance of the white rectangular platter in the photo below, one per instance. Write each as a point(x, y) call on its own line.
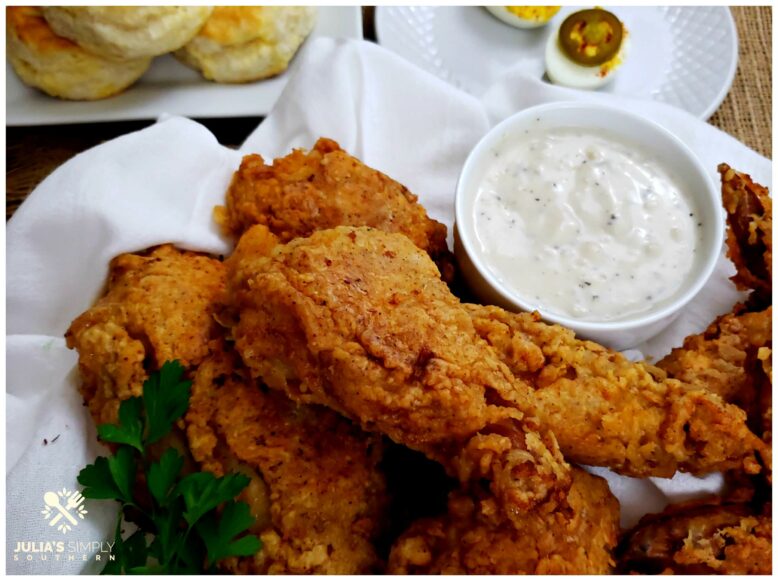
point(170, 87)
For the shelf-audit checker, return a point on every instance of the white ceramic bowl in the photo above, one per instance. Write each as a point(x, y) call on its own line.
point(630, 128)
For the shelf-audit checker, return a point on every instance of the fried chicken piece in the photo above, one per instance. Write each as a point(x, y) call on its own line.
point(763, 377)
point(359, 320)
point(158, 306)
point(750, 234)
point(608, 411)
point(700, 538)
point(732, 359)
point(759, 384)
point(316, 492)
point(324, 188)
point(715, 360)
point(418, 488)
point(473, 539)
point(725, 359)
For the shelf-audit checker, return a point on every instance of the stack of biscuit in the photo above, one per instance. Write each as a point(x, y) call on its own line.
point(246, 43)
point(93, 52)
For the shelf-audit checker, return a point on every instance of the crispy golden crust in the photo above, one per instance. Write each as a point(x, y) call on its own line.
point(316, 492)
point(715, 359)
point(469, 540)
point(702, 538)
point(732, 359)
point(158, 307)
point(359, 320)
point(750, 233)
point(256, 242)
point(607, 411)
point(324, 188)
point(759, 387)
point(762, 362)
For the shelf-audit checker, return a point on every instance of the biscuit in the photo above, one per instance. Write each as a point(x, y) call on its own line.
point(127, 32)
point(247, 43)
point(60, 67)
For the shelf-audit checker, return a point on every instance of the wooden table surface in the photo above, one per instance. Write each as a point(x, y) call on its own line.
point(33, 152)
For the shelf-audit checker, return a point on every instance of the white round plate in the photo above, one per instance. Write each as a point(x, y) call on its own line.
point(683, 56)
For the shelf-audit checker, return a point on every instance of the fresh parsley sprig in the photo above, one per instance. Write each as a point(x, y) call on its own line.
point(187, 522)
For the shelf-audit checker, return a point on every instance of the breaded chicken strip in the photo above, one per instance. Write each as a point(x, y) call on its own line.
point(473, 539)
point(607, 411)
point(750, 235)
point(732, 358)
point(316, 492)
point(359, 320)
point(715, 360)
point(324, 188)
point(700, 538)
point(158, 306)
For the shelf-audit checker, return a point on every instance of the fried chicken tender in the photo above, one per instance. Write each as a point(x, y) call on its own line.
point(324, 188)
point(316, 492)
point(158, 306)
point(608, 411)
point(732, 358)
point(700, 538)
point(359, 320)
point(470, 539)
point(715, 359)
point(750, 235)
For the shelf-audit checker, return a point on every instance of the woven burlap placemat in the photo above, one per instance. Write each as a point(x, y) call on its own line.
point(746, 113)
point(34, 152)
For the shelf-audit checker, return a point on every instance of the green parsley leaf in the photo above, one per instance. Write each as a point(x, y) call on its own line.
point(149, 570)
point(115, 567)
point(130, 428)
point(166, 398)
point(168, 531)
point(97, 481)
point(203, 492)
point(122, 468)
point(135, 550)
point(128, 553)
point(180, 529)
point(162, 475)
point(220, 534)
point(190, 556)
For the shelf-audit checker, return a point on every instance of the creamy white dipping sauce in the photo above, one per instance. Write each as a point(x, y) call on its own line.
point(582, 225)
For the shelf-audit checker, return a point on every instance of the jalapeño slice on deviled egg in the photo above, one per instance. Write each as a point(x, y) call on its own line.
point(586, 50)
point(591, 37)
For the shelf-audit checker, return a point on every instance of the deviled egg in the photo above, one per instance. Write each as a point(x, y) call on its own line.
point(524, 16)
point(586, 50)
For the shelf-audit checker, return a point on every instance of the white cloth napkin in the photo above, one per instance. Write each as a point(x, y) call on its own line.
point(160, 184)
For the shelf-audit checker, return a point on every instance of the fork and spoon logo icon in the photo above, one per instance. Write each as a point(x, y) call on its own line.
point(62, 508)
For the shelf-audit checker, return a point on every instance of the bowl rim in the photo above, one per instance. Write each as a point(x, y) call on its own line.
point(710, 196)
